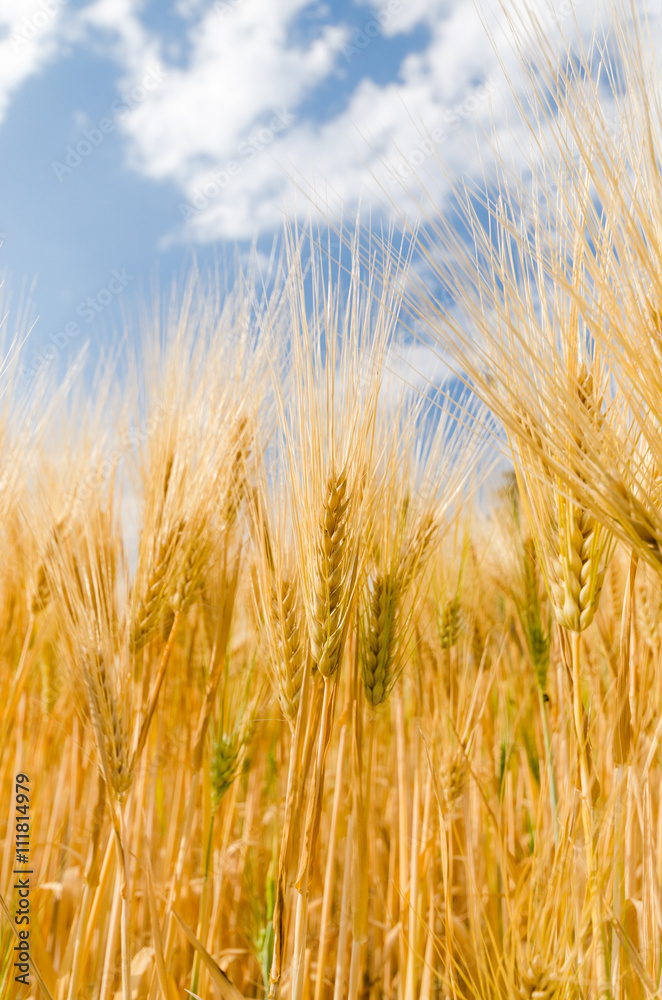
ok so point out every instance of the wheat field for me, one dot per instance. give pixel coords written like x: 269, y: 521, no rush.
x: 304, y: 691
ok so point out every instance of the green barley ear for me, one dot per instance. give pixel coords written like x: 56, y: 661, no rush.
x: 230, y: 741
x: 226, y: 760
x: 379, y: 639
x: 450, y: 622
x: 390, y: 602
x: 528, y: 595
x: 538, y: 641
x: 259, y: 901
x: 535, y: 625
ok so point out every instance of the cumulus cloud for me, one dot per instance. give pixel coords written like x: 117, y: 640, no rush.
x: 243, y: 68
x: 36, y: 33
x: 239, y: 121
x: 210, y: 127
x: 30, y: 37
x: 117, y: 27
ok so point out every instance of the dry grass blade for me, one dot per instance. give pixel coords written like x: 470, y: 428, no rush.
x: 224, y: 985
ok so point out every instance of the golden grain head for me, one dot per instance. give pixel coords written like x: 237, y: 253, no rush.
x: 333, y: 578
x: 537, y: 982
x: 579, y: 571
x: 288, y: 631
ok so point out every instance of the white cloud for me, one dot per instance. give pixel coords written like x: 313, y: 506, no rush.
x: 202, y: 128
x: 30, y: 37
x: 115, y: 27
x: 408, y: 14
x: 242, y: 69
x: 36, y: 33
x: 230, y: 122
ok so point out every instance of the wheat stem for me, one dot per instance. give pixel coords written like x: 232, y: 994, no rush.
x: 403, y: 816
x: 412, y: 951
x: 345, y: 910
x: 553, y: 793
x: 327, y: 897
x: 108, y: 972
x: 203, y: 902
x: 301, y: 923
x: 587, y: 818
x: 125, y: 914
x: 296, y: 774
x: 361, y: 812
x: 218, y: 653
x: 621, y: 768
x: 91, y: 883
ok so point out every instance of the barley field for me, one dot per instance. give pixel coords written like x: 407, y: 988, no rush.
x: 324, y: 677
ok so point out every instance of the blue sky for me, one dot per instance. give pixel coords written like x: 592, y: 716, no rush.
x: 136, y: 135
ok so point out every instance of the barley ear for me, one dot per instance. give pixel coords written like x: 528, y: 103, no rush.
x: 449, y: 622
x: 226, y: 761
x: 579, y: 576
x: 380, y: 638
x: 333, y: 572
x: 289, y: 650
